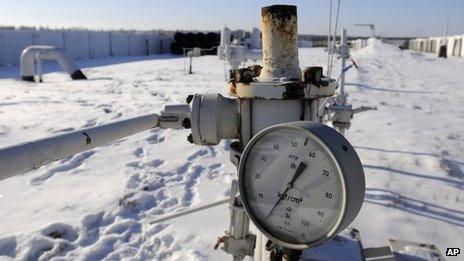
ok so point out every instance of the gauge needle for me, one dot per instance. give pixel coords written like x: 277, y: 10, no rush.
x: 297, y: 174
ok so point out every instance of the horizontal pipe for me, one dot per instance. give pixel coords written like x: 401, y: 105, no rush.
x: 28, y: 156
x: 190, y: 211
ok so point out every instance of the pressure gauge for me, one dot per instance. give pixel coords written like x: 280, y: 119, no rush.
x: 301, y: 183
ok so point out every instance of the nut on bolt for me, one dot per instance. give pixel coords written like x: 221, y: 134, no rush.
x: 255, y: 69
x: 313, y: 75
x: 246, y: 75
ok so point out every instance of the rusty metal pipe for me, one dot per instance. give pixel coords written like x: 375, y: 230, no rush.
x: 280, y: 43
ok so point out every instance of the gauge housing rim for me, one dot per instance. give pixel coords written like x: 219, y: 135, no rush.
x: 311, y: 129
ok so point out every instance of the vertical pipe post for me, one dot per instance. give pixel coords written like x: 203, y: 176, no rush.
x: 280, y: 43
x: 342, y: 78
x: 445, y: 33
x: 111, y: 43
x: 443, y: 52
x: 190, y: 66
x: 225, y: 36
x: 38, y: 66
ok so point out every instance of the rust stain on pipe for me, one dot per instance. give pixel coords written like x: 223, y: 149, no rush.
x: 280, y: 43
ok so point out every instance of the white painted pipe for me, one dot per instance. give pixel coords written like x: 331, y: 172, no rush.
x: 38, y: 67
x: 191, y: 211
x: 342, y: 77
x: 28, y: 156
x: 44, y: 52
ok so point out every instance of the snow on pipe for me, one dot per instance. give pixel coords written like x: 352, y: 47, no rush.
x: 28, y: 156
x: 34, y: 53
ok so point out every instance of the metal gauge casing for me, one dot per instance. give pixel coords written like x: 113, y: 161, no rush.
x: 301, y: 183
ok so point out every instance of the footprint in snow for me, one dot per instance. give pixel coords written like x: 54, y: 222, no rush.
x: 8, y: 247
x: 90, y: 123
x: 121, y: 227
x: 139, y: 152
x: 65, y: 165
x: 146, y: 165
x: 60, y: 231
x: 155, y: 138
x: 199, y: 153
x: 183, y: 169
x: 55, y: 240
x: 190, y: 184
x: 213, y: 170
x: 215, y: 166
x: 91, y: 224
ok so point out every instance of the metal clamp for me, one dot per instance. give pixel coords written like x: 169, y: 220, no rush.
x: 238, y: 241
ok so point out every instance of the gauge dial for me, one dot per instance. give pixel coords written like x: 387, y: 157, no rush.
x: 292, y: 183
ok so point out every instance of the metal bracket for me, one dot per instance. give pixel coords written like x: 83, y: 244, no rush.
x: 175, y: 117
x: 238, y: 241
x: 348, y: 246
x: 403, y: 250
x: 364, y: 108
x: 340, y: 114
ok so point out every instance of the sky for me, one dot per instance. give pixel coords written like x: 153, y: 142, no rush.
x: 391, y: 17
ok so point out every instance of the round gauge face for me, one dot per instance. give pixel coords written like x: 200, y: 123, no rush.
x: 292, y: 186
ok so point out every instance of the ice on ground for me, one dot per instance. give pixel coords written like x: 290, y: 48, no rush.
x: 97, y: 204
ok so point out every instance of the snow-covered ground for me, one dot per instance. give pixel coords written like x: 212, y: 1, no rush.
x: 97, y: 204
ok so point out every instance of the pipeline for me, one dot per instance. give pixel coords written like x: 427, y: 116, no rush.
x: 33, y: 55
x: 28, y: 156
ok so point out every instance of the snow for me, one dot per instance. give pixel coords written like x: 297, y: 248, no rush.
x: 98, y: 204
